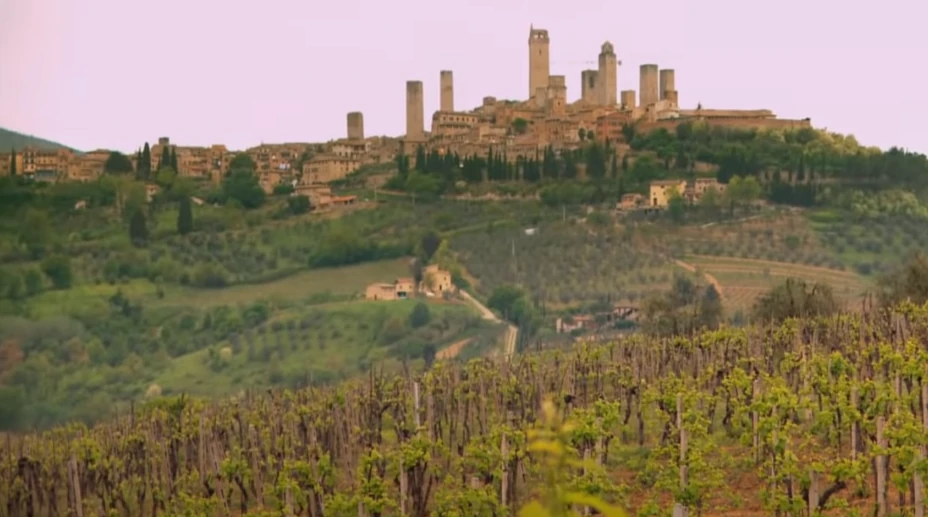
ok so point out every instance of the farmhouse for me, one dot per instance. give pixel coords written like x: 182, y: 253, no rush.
x: 434, y: 280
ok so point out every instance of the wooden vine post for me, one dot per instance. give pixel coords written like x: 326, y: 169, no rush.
x: 919, y: 485
x: 813, y: 492
x: 755, y: 417
x: 880, y: 468
x: 678, y: 509
x: 855, y: 425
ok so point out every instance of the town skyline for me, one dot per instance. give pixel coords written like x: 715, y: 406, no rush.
x: 198, y: 99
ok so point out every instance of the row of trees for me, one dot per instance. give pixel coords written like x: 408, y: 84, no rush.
x: 788, y: 163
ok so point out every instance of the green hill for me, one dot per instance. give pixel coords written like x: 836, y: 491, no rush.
x: 13, y: 140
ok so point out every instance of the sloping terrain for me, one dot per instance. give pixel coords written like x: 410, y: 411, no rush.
x: 13, y: 140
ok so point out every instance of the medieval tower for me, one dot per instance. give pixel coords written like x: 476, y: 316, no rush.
x: 607, y: 78
x: 447, y: 91
x: 588, y: 90
x: 648, y: 90
x: 415, y: 111
x: 667, y: 83
x: 539, y: 62
x: 355, y: 126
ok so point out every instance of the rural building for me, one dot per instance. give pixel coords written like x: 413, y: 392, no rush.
x: 631, y: 202
x: 703, y: 185
x: 661, y: 191
x: 437, y: 279
x: 434, y: 279
x: 399, y: 289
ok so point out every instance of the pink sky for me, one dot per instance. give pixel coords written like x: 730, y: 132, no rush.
x: 115, y: 73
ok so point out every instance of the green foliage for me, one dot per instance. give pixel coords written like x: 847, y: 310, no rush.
x: 420, y: 316
x: 298, y: 204
x: 58, y: 269
x: 795, y: 298
x: 683, y: 310
x: 138, y: 229
x: 184, y: 215
x: 117, y: 163
x: 241, y: 186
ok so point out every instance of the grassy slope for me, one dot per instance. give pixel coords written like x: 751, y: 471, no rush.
x: 341, y: 338
x: 13, y: 140
x: 346, y: 280
x: 743, y: 280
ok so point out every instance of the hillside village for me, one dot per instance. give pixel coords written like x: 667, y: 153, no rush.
x: 514, y: 129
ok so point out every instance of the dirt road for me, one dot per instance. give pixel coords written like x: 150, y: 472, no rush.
x: 511, y: 332
x: 709, y: 278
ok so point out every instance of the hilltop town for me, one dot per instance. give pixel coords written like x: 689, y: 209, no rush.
x: 546, y: 119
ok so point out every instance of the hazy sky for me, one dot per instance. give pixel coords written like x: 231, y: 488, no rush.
x: 115, y: 73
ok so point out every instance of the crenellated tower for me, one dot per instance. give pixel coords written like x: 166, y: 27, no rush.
x: 539, y: 60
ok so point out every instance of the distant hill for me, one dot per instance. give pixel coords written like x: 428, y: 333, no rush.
x: 12, y: 139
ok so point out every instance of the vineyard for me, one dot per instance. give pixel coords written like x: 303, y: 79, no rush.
x: 812, y: 416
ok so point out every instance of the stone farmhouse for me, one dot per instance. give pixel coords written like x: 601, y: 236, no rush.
x: 545, y: 117
x: 435, y: 281
x: 660, y: 192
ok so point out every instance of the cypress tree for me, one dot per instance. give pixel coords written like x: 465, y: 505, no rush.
x: 145, y: 164
x: 165, y: 158
x: 174, y: 160
x: 138, y: 230
x: 13, y: 162
x: 185, y: 216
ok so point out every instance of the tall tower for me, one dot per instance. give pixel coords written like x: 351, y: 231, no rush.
x: 355, y: 126
x: 667, y: 82
x: 648, y: 93
x: 608, y: 75
x: 588, y: 83
x: 539, y: 62
x: 415, y: 111
x: 447, y: 91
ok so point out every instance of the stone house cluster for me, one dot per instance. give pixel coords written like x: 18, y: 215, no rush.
x: 435, y: 282
x: 660, y: 192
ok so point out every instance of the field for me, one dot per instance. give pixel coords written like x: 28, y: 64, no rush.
x: 780, y: 236
x: 317, y: 345
x: 743, y: 280
x: 870, y: 245
x: 745, y: 414
x: 563, y: 264
x: 311, y: 284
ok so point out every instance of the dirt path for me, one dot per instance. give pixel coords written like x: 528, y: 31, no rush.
x: 451, y: 351
x: 511, y: 332
x: 709, y: 278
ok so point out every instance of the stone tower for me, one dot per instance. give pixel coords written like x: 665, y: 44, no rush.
x: 608, y: 75
x: 447, y: 91
x: 539, y: 62
x: 415, y: 111
x: 648, y: 93
x: 628, y: 99
x: 557, y: 94
x: 588, y: 90
x: 667, y: 82
x: 355, y: 126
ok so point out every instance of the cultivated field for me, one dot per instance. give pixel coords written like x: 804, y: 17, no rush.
x: 743, y: 280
